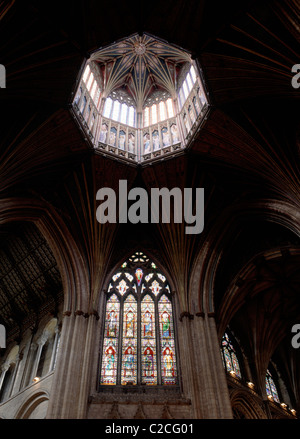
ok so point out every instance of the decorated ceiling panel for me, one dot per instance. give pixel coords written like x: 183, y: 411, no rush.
x: 141, y: 65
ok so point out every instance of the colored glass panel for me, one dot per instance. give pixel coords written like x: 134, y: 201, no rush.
x: 168, y: 362
x: 149, y: 276
x: 116, y: 276
x: 235, y: 364
x: 231, y: 360
x: 227, y: 359
x: 155, y: 287
x: 168, y: 357
x: 271, y: 387
x: 129, y: 362
x: 149, y: 367
x: 112, y: 317
x: 148, y: 336
x: 139, y: 275
x: 110, y: 346
x: 122, y: 287
x: 130, y: 352
x: 129, y: 277
x: 129, y: 342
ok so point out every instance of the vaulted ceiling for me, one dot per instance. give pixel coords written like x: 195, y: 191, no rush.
x: 140, y: 66
x: 246, y: 152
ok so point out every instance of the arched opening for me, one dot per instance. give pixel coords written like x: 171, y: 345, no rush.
x: 139, y: 343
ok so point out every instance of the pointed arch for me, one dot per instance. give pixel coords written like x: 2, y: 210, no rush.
x: 66, y: 252
x: 140, y: 347
x: 205, y: 268
x: 246, y: 405
x: 31, y: 404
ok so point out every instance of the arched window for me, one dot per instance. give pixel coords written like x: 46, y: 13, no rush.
x: 229, y: 357
x: 272, y: 392
x: 8, y: 372
x: 139, y: 341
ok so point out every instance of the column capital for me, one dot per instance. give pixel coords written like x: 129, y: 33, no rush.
x: 42, y: 339
x: 186, y: 314
x: 79, y: 312
x: 5, y: 366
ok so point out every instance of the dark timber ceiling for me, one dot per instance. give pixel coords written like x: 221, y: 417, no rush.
x: 29, y: 277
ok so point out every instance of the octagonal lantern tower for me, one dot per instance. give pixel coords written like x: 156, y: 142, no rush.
x: 140, y: 99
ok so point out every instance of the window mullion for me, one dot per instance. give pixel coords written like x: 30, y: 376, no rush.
x: 138, y: 344
x: 120, y: 341
x: 158, y: 343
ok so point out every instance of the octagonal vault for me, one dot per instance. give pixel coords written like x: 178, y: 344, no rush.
x: 140, y: 99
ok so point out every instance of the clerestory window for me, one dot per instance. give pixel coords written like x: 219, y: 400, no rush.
x: 140, y: 99
x: 229, y: 356
x: 139, y: 340
x: 271, y: 389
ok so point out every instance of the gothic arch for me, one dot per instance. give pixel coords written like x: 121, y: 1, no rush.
x: 31, y: 404
x: 152, y: 291
x: 235, y: 295
x: 61, y: 242
x: 125, y: 255
x: 207, y: 262
x: 246, y: 405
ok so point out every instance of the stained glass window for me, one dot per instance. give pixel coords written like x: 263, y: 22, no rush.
x: 129, y: 342
x: 229, y: 357
x: 168, y: 357
x: 139, y: 342
x: 148, y: 338
x: 271, y: 387
x: 111, y: 339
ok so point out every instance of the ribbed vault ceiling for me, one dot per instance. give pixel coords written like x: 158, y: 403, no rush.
x: 140, y: 65
x: 247, y: 150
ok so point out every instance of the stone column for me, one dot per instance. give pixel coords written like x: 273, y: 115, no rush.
x: 213, y: 400
x: 54, y: 349
x: 68, y: 394
x: 186, y: 357
x: 55, y: 405
x: 86, y: 374
x: 15, y: 372
x: 4, y: 369
x: 40, y: 344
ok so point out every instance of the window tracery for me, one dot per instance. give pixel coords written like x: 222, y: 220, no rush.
x: 139, y: 340
x: 229, y: 356
x: 130, y: 100
x: 271, y: 389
